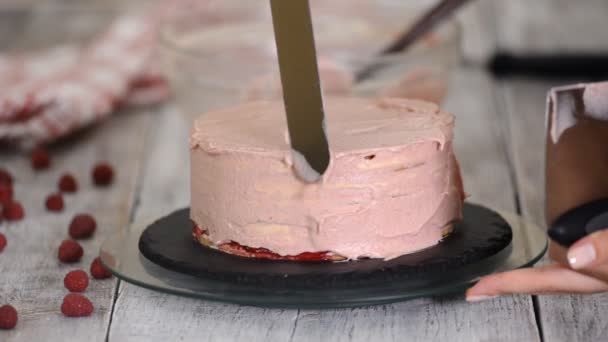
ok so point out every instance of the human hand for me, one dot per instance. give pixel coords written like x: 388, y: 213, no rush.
x: 583, y: 268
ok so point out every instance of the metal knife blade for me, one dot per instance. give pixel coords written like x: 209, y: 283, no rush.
x: 301, y: 86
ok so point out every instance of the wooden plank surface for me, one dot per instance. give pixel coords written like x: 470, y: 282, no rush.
x: 142, y: 315
x: 32, y: 276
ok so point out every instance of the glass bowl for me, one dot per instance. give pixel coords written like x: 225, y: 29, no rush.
x: 226, y: 62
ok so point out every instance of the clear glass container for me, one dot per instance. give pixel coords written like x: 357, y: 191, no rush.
x: 227, y: 62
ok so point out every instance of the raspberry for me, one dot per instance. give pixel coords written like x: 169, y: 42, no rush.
x: 98, y: 271
x: 75, y: 305
x: 6, y: 193
x: 76, y: 281
x: 67, y: 183
x: 70, y: 251
x: 13, y: 211
x: 103, y: 174
x: 54, y: 202
x: 40, y: 159
x: 5, y: 177
x: 8, y: 317
x: 82, y: 226
x: 2, y: 242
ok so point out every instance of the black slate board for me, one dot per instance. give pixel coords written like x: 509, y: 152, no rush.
x: 482, y: 237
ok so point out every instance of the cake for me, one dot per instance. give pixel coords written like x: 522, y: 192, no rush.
x: 393, y: 185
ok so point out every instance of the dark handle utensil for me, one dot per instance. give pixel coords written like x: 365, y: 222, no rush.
x: 589, y: 66
x: 580, y: 222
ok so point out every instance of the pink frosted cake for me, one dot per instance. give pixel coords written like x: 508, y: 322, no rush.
x: 393, y: 185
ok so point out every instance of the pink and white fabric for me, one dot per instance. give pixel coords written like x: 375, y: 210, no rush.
x: 49, y: 94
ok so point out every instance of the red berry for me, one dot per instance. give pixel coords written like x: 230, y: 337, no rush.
x: 75, y: 305
x: 5, y: 177
x: 6, y: 193
x: 8, y: 317
x: 82, y: 226
x: 103, y: 174
x: 13, y: 211
x: 76, y: 281
x: 70, y: 251
x: 98, y: 271
x: 67, y: 183
x: 40, y: 159
x: 54, y: 202
x: 2, y: 242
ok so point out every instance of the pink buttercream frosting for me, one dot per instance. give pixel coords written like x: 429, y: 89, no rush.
x: 393, y: 185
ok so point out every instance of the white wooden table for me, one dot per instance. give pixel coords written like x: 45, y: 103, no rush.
x: 499, y: 141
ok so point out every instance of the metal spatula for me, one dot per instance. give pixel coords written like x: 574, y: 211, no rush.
x: 301, y: 87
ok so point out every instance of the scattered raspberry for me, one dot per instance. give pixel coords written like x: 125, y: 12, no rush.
x: 54, y: 202
x: 40, y: 159
x: 8, y: 317
x: 6, y: 193
x: 103, y: 174
x: 5, y: 177
x: 70, y: 251
x: 2, y: 242
x: 75, y: 305
x: 76, y: 281
x: 13, y: 211
x: 82, y: 226
x: 67, y: 183
x: 98, y: 271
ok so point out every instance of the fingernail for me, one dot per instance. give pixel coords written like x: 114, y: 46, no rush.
x: 479, y: 298
x: 581, y: 256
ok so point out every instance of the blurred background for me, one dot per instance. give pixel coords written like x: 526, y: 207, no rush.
x: 207, y: 54
x: 516, y: 23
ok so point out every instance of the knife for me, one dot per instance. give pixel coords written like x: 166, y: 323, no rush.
x: 301, y: 87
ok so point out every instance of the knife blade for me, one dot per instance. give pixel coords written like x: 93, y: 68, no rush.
x: 302, y: 95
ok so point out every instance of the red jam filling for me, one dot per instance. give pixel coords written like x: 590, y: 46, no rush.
x: 264, y: 253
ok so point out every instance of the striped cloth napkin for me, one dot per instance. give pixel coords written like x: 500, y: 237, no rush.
x: 52, y: 93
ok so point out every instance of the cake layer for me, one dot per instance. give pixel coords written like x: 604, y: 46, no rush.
x: 392, y: 187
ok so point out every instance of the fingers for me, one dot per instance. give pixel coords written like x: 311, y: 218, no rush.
x: 590, y: 251
x: 541, y: 280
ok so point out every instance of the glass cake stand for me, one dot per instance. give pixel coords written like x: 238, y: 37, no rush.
x: 121, y: 255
